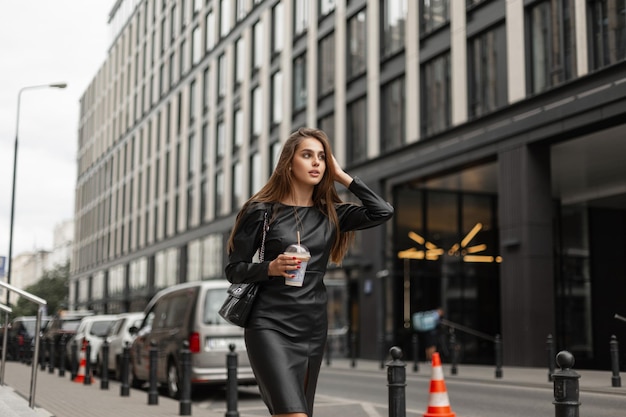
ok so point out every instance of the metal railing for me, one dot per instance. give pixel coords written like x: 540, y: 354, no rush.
x: 33, y: 376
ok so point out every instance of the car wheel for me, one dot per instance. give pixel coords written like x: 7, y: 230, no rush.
x: 172, y: 380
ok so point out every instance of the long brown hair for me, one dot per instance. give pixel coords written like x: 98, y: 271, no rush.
x: 280, y: 185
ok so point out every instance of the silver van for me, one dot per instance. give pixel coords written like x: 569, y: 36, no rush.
x: 188, y: 312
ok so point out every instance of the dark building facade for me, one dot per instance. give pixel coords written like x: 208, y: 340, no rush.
x: 496, y: 128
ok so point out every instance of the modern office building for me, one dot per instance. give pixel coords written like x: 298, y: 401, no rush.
x: 497, y: 128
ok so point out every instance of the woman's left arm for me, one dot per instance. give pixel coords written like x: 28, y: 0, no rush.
x: 373, y: 211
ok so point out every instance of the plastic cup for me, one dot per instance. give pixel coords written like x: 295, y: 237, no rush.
x: 302, y: 253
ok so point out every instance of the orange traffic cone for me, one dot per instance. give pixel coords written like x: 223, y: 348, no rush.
x: 438, y: 402
x: 82, y: 365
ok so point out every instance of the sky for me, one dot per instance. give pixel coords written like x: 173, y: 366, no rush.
x: 44, y: 42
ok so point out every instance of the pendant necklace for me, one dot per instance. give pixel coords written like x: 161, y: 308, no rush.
x: 298, y: 223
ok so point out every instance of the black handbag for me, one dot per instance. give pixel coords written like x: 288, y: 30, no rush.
x: 238, y: 303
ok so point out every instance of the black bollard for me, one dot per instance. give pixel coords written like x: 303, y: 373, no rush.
x: 51, y: 357
x: 616, y: 380
x: 416, y: 352
x: 153, y: 393
x: 453, y: 353
x: 87, y: 380
x: 498, y: 348
x: 104, y: 368
x: 396, y: 383
x: 184, y: 404
x: 231, y: 388
x: 124, y: 388
x: 74, y: 360
x: 62, y: 356
x: 566, y: 392
x: 550, y: 350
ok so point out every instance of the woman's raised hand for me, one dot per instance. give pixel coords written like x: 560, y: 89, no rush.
x: 340, y: 175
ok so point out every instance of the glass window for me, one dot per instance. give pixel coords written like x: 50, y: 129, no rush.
x: 237, y: 129
x: 221, y: 76
x: 357, y: 131
x: 212, y: 303
x: 435, y: 13
x: 357, y: 45
x: 278, y: 28
x: 173, y: 24
x: 224, y: 17
x: 219, y: 193
x: 257, y: 52
x: 608, y: 29
x: 220, y: 144
x: 206, y: 96
x: 196, y: 47
x: 240, y: 9
x: 552, y: 44
x: 326, y: 7
x: 274, y: 153
x: 204, y: 195
x: 194, y: 259
x: 192, y: 101
x: 300, y: 17
x: 436, y: 97
x: 327, y: 64
x: 210, y: 31
x: 205, y: 146
x: 256, y: 174
x: 257, y: 112
x: 277, y: 97
x: 237, y: 185
x: 327, y: 124
x: 393, y: 124
x: 183, y: 58
x: 191, y: 156
x: 487, y: 80
x: 239, y: 60
x: 171, y: 65
x: 299, y: 83
x: 393, y: 26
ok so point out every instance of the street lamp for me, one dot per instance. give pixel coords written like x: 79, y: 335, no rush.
x: 17, y: 127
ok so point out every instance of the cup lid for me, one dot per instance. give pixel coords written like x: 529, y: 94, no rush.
x: 296, y: 248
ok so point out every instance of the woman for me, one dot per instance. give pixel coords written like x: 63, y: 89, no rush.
x: 286, y: 331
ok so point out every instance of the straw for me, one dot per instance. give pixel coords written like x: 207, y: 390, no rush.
x: 298, y: 232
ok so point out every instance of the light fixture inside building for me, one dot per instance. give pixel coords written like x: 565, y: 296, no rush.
x: 461, y: 249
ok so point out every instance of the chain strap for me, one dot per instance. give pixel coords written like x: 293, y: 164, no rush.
x: 265, y: 229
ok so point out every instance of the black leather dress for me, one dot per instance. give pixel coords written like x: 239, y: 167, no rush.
x: 286, y: 333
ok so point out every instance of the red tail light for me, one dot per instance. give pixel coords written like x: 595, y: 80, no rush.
x: 194, y: 342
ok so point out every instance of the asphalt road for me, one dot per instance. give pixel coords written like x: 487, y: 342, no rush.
x: 366, y: 394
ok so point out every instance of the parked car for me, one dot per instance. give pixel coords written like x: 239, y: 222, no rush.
x: 118, y: 336
x: 92, y: 329
x: 21, y: 335
x: 60, y: 329
x: 188, y: 312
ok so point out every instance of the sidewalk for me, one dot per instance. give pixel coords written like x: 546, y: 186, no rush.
x: 57, y: 396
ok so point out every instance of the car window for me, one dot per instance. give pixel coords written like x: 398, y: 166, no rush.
x: 117, y: 326
x: 160, y: 313
x: 100, y: 328
x: 176, y: 312
x: 70, y: 325
x: 212, y: 303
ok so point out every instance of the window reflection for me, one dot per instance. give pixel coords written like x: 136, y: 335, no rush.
x: 608, y: 21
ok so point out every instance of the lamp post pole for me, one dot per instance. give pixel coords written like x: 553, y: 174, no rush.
x: 17, y: 127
